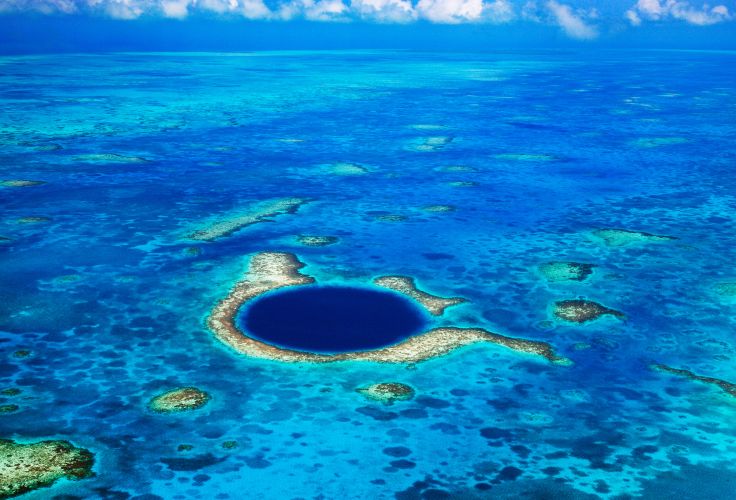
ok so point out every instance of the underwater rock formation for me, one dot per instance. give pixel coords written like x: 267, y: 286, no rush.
x: 581, y: 311
x: 273, y: 270
x: 388, y: 392
x: 456, y: 168
x: 181, y: 399
x: 110, y: 158
x: 566, y: 271
x: 524, y: 157
x: 20, y: 183
x: 655, y: 142
x: 347, y: 169
x: 27, y: 467
x: 439, y: 208
x: 405, y: 284
x: 391, y: 218
x: 434, y: 143
x: 728, y: 387
x: 726, y: 289
x: 622, y: 237
x: 262, y: 213
x: 33, y: 220
x: 310, y: 240
x: 463, y: 184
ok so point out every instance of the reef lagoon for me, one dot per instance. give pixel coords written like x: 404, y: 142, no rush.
x: 542, y: 243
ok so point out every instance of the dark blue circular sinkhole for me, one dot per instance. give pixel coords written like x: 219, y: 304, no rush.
x: 331, y: 319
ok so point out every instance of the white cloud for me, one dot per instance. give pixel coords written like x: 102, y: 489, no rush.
x: 656, y: 10
x: 384, y: 11
x: 450, y: 11
x: 313, y: 10
x: 576, y: 22
x: 499, y: 11
x: 177, y: 9
x: 571, y: 22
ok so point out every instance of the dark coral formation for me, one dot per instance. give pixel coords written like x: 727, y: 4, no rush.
x: 581, y: 311
x: 566, y: 271
x: 388, y: 392
x: 728, y: 387
x: 27, y: 467
x: 182, y: 399
x: 8, y: 408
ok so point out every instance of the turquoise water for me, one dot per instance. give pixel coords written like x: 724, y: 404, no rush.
x: 100, y: 282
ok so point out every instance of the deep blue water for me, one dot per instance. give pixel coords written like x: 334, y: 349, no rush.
x: 532, y: 151
x: 332, y: 319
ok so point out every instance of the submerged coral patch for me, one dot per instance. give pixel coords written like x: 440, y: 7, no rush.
x: 405, y: 284
x: 387, y: 392
x: 20, y: 183
x: 524, y: 157
x: 311, y: 240
x: 33, y: 220
x: 728, y: 387
x: 582, y: 311
x: 181, y: 399
x: 463, y: 184
x: 269, y: 271
x: 726, y: 289
x: 622, y: 237
x: 391, y: 218
x: 566, y: 271
x: 434, y: 143
x: 261, y: 213
x: 346, y: 169
x: 456, y: 168
x: 110, y: 158
x: 28, y: 467
x: 439, y: 208
x: 655, y: 142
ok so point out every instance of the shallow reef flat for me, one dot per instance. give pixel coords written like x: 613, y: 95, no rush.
x: 177, y: 400
x: 263, y: 212
x: 110, y: 158
x: 655, y: 142
x: 20, y: 183
x: 566, y: 271
x: 313, y: 240
x: 430, y: 144
x: 521, y: 157
x: 623, y: 237
x: 273, y: 270
x: 388, y: 392
x: 582, y: 311
x: 405, y: 284
x: 728, y: 387
x: 25, y: 467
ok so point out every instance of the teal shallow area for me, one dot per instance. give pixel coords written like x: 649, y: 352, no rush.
x: 101, y: 283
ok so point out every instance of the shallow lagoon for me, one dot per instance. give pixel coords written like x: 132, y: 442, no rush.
x: 534, y: 153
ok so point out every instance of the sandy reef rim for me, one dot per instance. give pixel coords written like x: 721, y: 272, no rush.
x: 269, y: 271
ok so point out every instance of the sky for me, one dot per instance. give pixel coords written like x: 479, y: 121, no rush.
x: 98, y: 25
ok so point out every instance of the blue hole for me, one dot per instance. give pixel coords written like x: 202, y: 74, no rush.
x: 331, y: 319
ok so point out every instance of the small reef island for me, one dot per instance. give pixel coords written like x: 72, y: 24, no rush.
x: 26, y: 467
x: 269, y: 271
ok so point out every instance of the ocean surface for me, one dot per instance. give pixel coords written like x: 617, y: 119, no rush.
x: 466, y: 172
